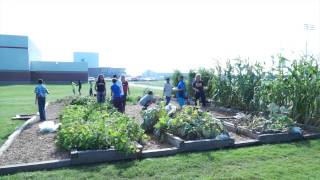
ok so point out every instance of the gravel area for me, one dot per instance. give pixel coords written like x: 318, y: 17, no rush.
x: 33, y: 146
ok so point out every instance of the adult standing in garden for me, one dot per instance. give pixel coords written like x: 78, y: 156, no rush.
x: 90, y: 90
x: 119, y: 83
x: 41, y: 93
x: 116, y: 95
x: 100, y: 88
x: 79, y: 87
x: 198, y: 88
x: 73, y: 87
x: 181, y: 92
x: 167, y: 90
x: 126, y: 91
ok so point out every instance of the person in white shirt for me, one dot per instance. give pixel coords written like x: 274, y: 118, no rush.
x: 167, y: 90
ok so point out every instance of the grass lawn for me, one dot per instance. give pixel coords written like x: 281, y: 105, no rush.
x: 282, y: 161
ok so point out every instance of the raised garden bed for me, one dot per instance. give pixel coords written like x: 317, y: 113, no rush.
x: 198, y: 145
x: 96, y: 156
x: 264, y: 138
x: 308, y: 133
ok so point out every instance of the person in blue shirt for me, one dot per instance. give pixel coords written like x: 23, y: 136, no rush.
x: 181, y: 92
x: 116, y: 95
x: 41, y: 92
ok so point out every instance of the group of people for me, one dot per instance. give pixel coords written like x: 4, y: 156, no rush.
x: 73, y: 84
x: 120, y: 90
x: 197, y: 86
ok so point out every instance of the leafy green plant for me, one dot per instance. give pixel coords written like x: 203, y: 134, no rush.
x: 294, y: 85
x: 152, y: 115
x: 94, y: 126
x: 190, y: 123
x: 175, y: 77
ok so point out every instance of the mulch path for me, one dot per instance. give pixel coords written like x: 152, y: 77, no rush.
x: 33, y: 146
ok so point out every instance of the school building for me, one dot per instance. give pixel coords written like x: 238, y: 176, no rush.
x: 20, y: 62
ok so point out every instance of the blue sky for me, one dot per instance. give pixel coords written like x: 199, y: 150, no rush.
x: 164, y: 35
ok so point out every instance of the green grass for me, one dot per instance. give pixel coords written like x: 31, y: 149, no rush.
x: 282, y: 161
x: 19, y: 99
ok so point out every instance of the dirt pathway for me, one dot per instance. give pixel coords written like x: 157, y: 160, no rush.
x: 33, y: 146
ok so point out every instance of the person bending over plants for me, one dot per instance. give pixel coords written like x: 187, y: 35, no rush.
x: 146, y: 100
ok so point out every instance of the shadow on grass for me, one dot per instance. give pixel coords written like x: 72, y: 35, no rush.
x: 97, y: 167
x: 302, y: 144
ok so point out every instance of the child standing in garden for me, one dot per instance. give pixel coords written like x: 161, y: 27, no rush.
x: 41, y: 93
x: 73, y: 87
x: 90, y: 90
x: 100, y: 88
x: 79, y: 87
x: 198, y: 88
x: 116, y: 95
x: 181, y: 92
x: 167, y: 90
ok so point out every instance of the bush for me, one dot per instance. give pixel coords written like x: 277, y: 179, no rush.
x: 175, y: 77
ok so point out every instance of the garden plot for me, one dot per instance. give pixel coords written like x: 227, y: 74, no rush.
x: 152, y: 142
x: 32, y: 146
x: 276, y: 127
x: 189, y: 129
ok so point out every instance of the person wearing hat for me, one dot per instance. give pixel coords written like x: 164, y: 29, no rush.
x: 167, y: 90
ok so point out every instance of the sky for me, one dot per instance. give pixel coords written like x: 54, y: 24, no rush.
x: 163, y: 35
